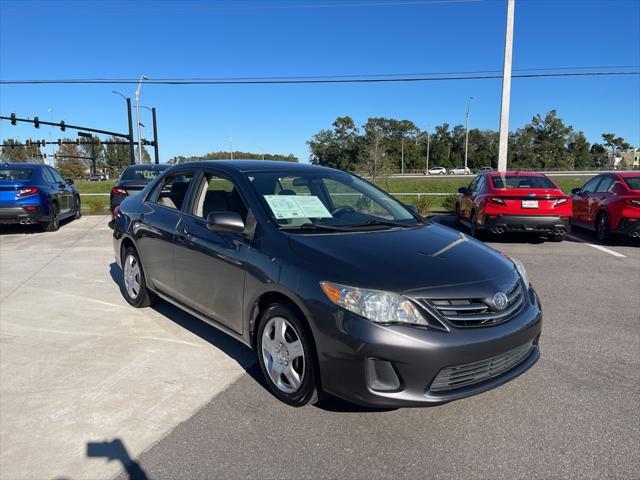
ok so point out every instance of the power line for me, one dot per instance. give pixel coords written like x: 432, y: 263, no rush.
x: 237, y: 7
x: 308, y: 80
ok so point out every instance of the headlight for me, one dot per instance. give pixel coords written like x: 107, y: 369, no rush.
x: 522, y: 271
x: 377, y: 306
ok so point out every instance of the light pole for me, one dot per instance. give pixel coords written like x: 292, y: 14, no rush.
x: 427, y: 170
x: 137, y: 94
x: 506, y: 89
x: 132, y: 155
x: 155, y: 134
x: 402, y: 158
x: 466, y: 136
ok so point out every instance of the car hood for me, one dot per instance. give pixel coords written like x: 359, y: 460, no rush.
x: 401, y: 259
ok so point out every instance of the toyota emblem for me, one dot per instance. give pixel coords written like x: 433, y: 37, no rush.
x: 500, y: 301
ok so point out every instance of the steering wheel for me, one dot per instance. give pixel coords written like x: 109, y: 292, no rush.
x: 337, y: 212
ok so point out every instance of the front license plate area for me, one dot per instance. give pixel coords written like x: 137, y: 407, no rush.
x: 529, y: 203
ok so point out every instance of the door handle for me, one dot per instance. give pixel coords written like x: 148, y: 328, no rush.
x: 183, y: 234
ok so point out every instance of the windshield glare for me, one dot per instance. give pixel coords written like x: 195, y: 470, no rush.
x: 325, y: 199
x: 10, y: 174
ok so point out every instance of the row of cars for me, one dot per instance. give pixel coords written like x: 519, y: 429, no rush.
x: 497, y: 203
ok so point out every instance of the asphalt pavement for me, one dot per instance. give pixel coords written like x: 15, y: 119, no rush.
x: 90, y: 387
x: 573, y: 415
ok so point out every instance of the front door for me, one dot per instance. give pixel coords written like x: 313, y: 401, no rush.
x: 210, y: 266
x: 582, y: 199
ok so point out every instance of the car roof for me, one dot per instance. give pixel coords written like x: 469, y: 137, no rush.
x: 255, y: 166
x: 21, y: 165
x: 516, y: 173
x: 150, y: 166
x: 627, y: 174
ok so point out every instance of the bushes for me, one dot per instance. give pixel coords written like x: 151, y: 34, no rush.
x: 449, y: 203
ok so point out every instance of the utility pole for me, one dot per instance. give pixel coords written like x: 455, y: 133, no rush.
x: 427, y: 169
x: 137, y: 94
x: 466, y: 136
x: 156, y: 154
x: 402, y: 158
x: 506, y: 89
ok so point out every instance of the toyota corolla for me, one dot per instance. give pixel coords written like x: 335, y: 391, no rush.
x: 338, y: 287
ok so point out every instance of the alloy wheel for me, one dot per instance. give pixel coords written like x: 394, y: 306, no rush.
x: 283, y: 355
x: 602, y: 227
x: 132, y: 276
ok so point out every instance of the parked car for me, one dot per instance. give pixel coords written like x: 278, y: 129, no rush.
x: 132, y: 180
x: 514, y: 202
x: 437, y: 171
x: 609, y: 204
x: 34, y: 193
x: 485, y: 169
x: 339, y: 288
x: 98, y: 177
x: 460, y: 171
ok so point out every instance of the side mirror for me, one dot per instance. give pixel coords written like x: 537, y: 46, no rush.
x: 576, y: 191
x: 412, y: 208
x: 462, y: 190
x: 225, y: 222
x: 69, y: 181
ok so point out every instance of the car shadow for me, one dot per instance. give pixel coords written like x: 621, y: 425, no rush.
x: 17, y: 229
x: 590, y: 236
x: 242, y: 354
x: 115, y: 450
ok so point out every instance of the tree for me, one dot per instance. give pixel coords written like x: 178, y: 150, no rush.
x: 579, y: 152
x: 117, y: 157
x: 598, y: 155
x: 68, y: 163
x: 15, y: 151
x: 616, y: 145
x: 90, y: 150
x: 337, y: 148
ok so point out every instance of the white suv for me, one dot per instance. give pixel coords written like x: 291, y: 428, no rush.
x: 437, y: 171
x: 460, y: 171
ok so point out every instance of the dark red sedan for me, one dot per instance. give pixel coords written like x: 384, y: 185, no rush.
x: 499, y: 202
x: 609, y: 203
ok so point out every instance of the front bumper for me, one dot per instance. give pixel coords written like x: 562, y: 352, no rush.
x: 12, y: 215
x: 417, y: 356
x: 527, y: 223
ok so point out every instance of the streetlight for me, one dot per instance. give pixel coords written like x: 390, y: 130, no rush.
x: 506, y: 89
x: 466, y: 137
x: 155, y: 133
x: 132, y: 155
x: 142, y: 77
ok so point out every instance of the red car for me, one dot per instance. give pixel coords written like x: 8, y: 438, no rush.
x: 499, y: 202
x: 609, y: 203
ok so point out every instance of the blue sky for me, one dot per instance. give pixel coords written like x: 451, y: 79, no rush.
x: 122, y: 39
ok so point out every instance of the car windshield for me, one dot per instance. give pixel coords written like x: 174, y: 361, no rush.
x: 521, y: 181
x: 328, y: 201
x: 9, y: 174
x: 633, y: 182
x: 142, y: 173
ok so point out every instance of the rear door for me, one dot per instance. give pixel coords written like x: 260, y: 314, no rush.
x: 64, y: 191
x: 210, y: 266
x: 467, y: 200
x: 156, y: 231
x: 601, y: 197
x: 581, y: 201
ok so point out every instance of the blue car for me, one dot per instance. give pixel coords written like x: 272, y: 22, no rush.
x: 33, y: 193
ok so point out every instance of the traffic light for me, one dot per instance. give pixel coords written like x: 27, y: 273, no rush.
x: 28, y: 142
x: 36, y: 122
x: 97, y: 142
x: 13, y: 119
x: 59, y: 142
x: 62, y: 125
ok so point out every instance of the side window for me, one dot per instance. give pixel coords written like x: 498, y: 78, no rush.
x: 172, y: 191
x: 217, y: 194
x: 480, y: 185
x: 48, y: 177
x: 56, y: 175
x: 605, y: 184
x: 591, y: 185
x: 473, y: 185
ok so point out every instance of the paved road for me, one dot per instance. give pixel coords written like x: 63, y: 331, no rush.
x: 574, y: 415
x: 184, y: 401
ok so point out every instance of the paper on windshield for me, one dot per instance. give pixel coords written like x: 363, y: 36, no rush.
x: 292, y: 206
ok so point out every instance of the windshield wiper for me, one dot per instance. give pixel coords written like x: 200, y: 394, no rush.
x: 315, y: 226
x: 384, y: 223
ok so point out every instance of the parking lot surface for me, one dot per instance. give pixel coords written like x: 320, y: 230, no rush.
x: 184, y: 401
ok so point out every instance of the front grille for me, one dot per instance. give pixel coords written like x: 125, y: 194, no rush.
x: 476, y: 312
x: 460, y: 376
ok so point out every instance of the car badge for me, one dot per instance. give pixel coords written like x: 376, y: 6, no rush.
x: 500, y: 301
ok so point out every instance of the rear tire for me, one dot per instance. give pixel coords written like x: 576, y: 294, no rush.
x: 134, y: 283
x: 603, y: 227
x: 287, y: 356
x: 53, y: 224
x: 556, y: 238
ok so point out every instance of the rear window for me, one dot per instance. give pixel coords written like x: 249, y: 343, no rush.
x: 633, y: 182
x: 141, y: 173
x: 15, y: 173
x: 520, y: 181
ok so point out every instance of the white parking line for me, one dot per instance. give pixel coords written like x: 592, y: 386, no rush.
x: 598, y: 247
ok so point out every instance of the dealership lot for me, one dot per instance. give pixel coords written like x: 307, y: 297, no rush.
x: 79, y: 366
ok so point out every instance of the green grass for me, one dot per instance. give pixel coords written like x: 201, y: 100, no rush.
x: 85, y: 186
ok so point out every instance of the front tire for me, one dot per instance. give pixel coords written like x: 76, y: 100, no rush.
x: 134, y: 282
x: 287, y: 356
x: 78, y: 209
